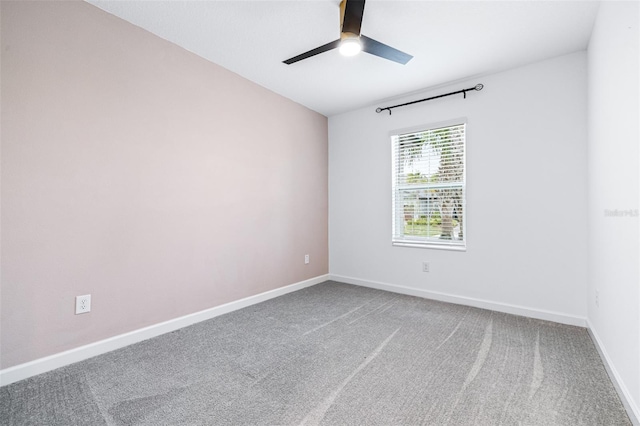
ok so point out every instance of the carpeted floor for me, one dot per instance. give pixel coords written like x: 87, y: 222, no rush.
x: 334, y: 354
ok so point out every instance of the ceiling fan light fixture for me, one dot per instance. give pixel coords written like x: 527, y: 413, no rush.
x: 351, y: 40
x: 350, y: 46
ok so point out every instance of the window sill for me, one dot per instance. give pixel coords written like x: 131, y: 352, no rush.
x: 429, y: 246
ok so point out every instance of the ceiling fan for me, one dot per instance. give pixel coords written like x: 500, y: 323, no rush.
x: 351, y: 41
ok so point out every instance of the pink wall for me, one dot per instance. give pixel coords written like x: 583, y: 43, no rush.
x: 138, y: 172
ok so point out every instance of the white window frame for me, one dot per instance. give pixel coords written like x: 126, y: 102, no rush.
x: 426, y: 242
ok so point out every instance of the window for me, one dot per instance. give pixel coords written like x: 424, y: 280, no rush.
x: 429, y: 187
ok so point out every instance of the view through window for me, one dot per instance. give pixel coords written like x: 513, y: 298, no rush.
x: 429, y: 187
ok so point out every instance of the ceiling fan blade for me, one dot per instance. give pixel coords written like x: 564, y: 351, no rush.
x: 313, y: 52
x: 352, y: 19
x: 376, y: 48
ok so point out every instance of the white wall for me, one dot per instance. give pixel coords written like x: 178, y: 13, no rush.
x: 526, y: 194
x: 613, y: 184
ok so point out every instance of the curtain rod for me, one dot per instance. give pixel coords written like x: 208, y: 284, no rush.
x: 464, y: 91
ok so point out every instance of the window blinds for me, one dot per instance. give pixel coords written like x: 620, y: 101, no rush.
x: 429, y: 187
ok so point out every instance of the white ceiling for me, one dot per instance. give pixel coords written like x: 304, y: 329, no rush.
x: 450, y: 40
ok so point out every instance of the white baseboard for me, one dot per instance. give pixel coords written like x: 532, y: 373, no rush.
x: 468, y: 301
x: 42, y: 365
x: 632, y: 408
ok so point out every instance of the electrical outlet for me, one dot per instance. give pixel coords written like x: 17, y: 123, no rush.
x: 83, y: 304
x: 425, y: 266
x: 306, y: 259
x: 597, y: 299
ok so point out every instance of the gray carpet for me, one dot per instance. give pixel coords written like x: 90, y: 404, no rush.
x: 334, y: 354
